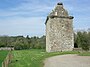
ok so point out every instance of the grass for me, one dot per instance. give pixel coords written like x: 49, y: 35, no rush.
x: 33, y: 58
x: 84, y: 54
x: 3, y: 55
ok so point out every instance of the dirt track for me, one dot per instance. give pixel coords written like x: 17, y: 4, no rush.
x: 68, y: 61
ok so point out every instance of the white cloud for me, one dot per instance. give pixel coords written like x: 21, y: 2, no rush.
x: 25, y: 9
x: 29, y: 16
x: 23, y: 26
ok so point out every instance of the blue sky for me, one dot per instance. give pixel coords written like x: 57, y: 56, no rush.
x: 27, y: 17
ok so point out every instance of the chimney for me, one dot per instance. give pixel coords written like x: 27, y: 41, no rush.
x: 60, y: 4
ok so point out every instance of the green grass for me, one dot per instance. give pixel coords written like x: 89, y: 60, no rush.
x: 3, y: 55
x: 32, y: 58
x: 84, y: 54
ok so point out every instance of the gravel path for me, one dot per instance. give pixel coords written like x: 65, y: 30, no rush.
x: 68, y: 61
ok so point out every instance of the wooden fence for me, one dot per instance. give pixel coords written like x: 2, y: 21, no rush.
x: 7, y: 60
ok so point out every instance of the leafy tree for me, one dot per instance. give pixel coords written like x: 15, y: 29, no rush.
x: 20, y: 42
x: 83, y: 40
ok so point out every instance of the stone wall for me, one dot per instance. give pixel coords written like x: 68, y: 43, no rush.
x: 59, y: 31
x: 6, y: 48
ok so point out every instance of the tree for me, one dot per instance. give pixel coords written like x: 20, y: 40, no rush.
x: 83, y: 40
x: 20, y: 42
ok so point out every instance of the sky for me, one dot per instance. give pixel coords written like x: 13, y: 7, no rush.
x: 27, y: 17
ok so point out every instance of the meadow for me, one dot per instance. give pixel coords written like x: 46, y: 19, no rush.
x: 33, y: 57
x: 3, y: 55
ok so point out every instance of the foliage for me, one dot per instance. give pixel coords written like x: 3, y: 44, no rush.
x: 82, y: 39
x: 20, y: 42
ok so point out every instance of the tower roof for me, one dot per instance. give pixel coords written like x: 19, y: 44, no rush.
x: 59, y: 11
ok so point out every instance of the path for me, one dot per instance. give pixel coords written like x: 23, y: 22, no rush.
x: 68, y: 61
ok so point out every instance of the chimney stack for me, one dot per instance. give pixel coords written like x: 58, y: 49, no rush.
x: 59, y: 3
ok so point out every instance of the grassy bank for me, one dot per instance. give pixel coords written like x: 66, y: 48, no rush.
x: 32, y: 58
x: 84, y: 54
x: 3, y: 55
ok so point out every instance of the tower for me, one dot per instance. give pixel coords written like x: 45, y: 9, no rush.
x: 59, y: 30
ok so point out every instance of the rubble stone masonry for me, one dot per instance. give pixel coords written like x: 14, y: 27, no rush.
x: 59, y: 30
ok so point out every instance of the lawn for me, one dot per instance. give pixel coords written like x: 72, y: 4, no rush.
x: 3, y: 55
x: 84, y: 54
x: 32, y: 58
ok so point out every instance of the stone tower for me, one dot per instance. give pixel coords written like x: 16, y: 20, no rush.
x: 59, y: 30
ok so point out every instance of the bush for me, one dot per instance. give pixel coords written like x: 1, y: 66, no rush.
x: 82, y: 39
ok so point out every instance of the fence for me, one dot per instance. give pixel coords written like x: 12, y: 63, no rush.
x: 7, y: 60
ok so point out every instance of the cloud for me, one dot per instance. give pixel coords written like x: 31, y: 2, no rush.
x: 27, y: 8
x: 23, y: 26
x: 24, y: 17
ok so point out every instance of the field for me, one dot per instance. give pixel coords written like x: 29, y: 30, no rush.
x: 3, y: 54
x: 32, y: 58
x: 35, y: 57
